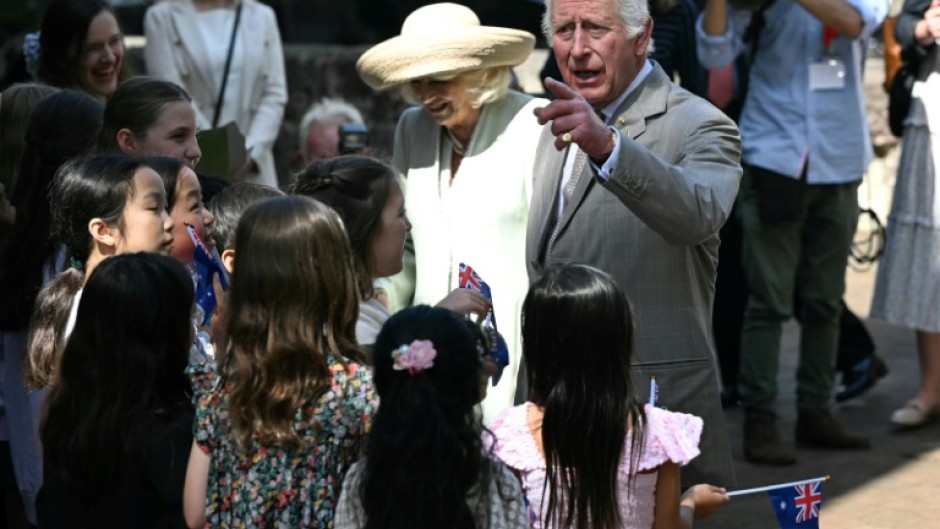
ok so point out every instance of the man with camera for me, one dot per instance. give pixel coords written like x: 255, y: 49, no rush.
x: 329, y: 128
x: 805, y: 147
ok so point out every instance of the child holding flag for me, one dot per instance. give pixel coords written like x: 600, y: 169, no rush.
x: 192, y: 224
x: 367, y: 196
x: 588, y: 453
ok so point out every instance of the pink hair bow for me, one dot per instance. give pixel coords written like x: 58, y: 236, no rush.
x: 414, y: 358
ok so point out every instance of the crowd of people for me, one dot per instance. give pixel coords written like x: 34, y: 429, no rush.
x: 188, y: 349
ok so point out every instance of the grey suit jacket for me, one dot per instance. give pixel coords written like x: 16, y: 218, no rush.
x: 654, y: 227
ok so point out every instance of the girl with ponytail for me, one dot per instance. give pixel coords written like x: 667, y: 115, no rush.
x: 102, y: 206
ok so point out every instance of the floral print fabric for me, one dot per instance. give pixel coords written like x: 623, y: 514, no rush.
x: 281, y: 486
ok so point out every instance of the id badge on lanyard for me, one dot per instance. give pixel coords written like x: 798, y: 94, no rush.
x: 828, y: 73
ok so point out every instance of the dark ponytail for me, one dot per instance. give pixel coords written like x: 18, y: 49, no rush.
x: 84, y: 188
x: 47, y: 327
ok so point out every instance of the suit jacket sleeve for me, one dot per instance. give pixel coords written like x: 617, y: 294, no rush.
x: 912, y: 12
x: 161, y: 49
x: 269, y: 111
x: 686, y: 200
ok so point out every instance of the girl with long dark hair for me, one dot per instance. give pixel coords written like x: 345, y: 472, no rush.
x: 118, y: 423
x: 426, y: 466
x: 589, y: 454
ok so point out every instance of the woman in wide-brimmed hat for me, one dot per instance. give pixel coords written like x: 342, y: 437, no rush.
x: 466, y: 153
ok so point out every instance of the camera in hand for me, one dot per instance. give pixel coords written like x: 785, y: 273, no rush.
x: 353, y: 138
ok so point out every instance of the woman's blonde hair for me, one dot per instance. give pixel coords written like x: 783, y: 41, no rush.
x: 293, y: 300
x: 484, y: 86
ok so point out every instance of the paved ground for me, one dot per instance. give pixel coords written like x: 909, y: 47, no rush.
x: 895, y: 484
x: 891, y: 486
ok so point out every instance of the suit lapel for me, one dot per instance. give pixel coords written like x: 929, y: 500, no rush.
x: 549, y: 165
x: 585, y: 181
x: 252, y: 40
x: 648, y: 100
x: 190, y: 38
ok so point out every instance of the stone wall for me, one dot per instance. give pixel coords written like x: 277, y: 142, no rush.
x: 319, y: 70
x: 315, y: 71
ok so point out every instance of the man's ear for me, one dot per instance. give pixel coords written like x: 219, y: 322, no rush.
x: 228, y: 260
x: 102, y: 233
x: 127, y: 142
x: 643, y: 39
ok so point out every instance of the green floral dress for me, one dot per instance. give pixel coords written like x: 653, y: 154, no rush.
x: 282, y: 487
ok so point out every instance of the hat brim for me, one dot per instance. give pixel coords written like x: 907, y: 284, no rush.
x: 405, y: 58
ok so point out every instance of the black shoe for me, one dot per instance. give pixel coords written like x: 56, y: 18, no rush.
x: 762, y: 441
x: 861, y: 377
x: 818, y: 428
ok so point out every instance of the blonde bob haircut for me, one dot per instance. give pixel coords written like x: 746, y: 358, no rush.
x: 484, y: 86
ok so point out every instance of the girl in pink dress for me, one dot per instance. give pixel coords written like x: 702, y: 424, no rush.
x: 587, y: 452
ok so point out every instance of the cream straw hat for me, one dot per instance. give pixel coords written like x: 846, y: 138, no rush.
x: 442, y: 40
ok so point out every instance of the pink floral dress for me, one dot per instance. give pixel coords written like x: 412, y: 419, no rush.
x: 669, y: 436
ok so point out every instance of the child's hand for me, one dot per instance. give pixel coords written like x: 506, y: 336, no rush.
x: 217, y: 322
x: 465, y: 301
x: 382, y: 296
x: 704, y: 499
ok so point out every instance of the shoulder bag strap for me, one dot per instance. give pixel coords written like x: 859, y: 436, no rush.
x: 228, y: 65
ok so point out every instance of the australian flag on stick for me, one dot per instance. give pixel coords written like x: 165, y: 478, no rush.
x: 498, y: 350
x: 207, y: 265
x: 797, y: 506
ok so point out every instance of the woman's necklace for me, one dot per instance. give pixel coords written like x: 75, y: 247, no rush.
x: 459, y: 148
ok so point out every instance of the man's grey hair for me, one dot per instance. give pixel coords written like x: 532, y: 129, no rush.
x: 328, y: 110
x: 634, y: 14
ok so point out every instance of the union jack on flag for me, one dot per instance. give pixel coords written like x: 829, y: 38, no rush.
x: 499, y: 351
x: 797, y: 506
x: 469, y: 279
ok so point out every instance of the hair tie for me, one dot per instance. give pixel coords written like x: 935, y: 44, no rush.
x: 76, y: 263
x: 414, y: 358
x: 322, y: 181
x: 32, y: 52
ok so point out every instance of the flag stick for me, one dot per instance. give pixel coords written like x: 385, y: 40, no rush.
x: 781, y: 485
x: 653, y: 391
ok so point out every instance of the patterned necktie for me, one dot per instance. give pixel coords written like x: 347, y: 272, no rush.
x: 580, y: 160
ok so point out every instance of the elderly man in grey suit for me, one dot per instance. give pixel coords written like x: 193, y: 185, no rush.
x: 635, y: 176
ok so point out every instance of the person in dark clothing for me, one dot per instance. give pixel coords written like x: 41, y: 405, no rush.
x: 119, y: 416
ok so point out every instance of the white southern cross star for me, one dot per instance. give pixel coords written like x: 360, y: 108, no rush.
x: 783, y: 505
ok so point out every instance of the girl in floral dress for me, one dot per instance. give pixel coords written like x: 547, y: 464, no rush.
x: 294, y: 400
x: 426, y: 467
x: 588, y: 453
